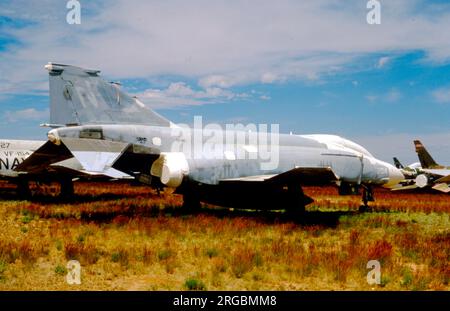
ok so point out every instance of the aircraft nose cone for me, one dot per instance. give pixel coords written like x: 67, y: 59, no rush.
x: 395, y: 177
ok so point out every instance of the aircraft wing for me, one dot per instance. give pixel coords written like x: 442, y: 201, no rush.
x: 78, y: 156
x: 301, y: 175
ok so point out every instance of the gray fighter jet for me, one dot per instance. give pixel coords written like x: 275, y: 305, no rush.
x: 108, y: 132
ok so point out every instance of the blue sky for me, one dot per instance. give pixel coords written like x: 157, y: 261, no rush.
x: 310, y: 66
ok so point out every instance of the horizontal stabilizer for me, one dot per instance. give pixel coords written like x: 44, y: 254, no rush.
x: 77, y: 157
x: 40, y: 160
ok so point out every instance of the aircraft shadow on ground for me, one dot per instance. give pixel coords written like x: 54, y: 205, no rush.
x: 327, y: 219
x: 310, y: 218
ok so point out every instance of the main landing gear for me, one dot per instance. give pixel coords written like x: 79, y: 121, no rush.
x: 367, y: 196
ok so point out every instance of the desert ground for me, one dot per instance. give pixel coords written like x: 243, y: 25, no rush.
x: 128, y: 237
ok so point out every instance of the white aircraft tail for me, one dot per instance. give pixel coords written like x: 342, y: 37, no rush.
x: 80, y: 96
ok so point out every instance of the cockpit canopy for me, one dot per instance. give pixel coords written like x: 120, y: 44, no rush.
x: 335, y: 140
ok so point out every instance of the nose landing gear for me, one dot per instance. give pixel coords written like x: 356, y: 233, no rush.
x: 367, y: 196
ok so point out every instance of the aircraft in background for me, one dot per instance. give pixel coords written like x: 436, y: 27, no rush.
x: 13, y: 153
x: 109, y: 132
x: 399, y: 164
x: 426, y: 173
x: 434, y: 175
x: 410, y: 171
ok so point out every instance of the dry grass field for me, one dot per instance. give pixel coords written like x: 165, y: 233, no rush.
x: 130, y: 238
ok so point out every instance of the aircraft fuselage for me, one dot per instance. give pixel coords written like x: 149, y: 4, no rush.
x: 212, y: 159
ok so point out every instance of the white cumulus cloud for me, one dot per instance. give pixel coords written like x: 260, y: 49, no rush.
x: 217, y: 43
x: 442, y: 95
x: 29, y: 114
x: 383, y: 61
x: 180, y: 94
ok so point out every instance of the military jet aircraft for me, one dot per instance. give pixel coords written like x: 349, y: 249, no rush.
x: 410, y: 171
x: 399, y: 165
x: 110, y: 132
x: 424, y: 174
x: 434, y: 175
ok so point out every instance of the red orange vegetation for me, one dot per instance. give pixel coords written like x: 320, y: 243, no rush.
x: 129, y: 237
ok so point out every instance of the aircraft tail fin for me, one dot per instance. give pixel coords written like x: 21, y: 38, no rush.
x: 80, y: 96
x: 398, y: 164
x: 426, y: 160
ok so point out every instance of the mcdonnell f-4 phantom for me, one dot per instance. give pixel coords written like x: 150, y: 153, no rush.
x: 109, y: 132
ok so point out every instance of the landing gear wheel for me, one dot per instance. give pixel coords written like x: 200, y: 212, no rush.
x: 367, y: 196
x: 365, y: 208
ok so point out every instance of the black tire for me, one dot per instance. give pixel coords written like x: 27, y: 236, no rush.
x: 365, y: 209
